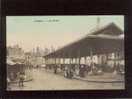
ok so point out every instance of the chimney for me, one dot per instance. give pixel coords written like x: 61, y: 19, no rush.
x: 98, y: 23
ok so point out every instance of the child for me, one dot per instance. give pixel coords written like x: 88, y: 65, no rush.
x: 21, y: 79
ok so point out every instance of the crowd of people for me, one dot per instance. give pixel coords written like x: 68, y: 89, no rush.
x: 71, y: 70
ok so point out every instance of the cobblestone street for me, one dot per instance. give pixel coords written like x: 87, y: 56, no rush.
x: 45, y: 80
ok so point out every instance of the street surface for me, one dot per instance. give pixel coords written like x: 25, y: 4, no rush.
x: 45, y: 80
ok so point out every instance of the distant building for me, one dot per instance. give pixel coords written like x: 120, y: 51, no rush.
x: 33, y: 59
x: 15, y: 52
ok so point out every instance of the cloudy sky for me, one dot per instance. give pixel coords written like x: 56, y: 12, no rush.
x: 46, y: 31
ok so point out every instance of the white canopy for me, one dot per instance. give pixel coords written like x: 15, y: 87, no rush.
x: 10, y: 62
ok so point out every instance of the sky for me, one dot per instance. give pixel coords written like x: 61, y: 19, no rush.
x: 57, y: 31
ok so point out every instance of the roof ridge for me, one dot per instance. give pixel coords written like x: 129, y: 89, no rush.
x: 103, y: 28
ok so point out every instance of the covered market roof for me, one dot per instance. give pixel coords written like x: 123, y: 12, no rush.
x: 96, y: 42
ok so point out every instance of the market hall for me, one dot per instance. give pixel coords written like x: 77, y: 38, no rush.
x: 96, y: 53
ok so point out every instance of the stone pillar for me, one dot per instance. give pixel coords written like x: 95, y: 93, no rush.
x: 91, y: 58
x: 115, y: 63
x: 85, y: 60
x: 64, y: 61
